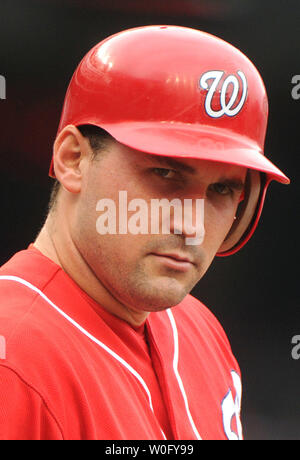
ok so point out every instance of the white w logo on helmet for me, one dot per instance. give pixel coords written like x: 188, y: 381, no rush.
x: 226, y: 107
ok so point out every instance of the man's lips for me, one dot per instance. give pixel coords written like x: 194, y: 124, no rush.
x: 176, y: 256
x: 175, y: 260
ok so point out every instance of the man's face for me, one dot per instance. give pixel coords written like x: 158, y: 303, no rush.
x: 146, y: 272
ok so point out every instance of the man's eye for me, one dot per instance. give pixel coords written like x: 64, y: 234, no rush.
x: 221, y: 189
x: 166, y: 173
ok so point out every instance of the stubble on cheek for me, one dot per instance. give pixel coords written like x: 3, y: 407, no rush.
x: 136, y: 284
x: 122, y: 265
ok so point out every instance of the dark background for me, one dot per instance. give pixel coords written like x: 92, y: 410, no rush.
x: 254, y: 293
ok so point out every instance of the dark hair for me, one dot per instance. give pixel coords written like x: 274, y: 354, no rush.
x: 98, y: 139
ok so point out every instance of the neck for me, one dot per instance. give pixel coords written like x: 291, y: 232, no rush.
x: 58, y: 246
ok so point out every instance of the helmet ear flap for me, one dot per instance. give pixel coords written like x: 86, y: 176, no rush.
x: 245, y: 213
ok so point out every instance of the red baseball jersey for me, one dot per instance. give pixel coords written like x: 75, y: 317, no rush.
x: 71, y: 370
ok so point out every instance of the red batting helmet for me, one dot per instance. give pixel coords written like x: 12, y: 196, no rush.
x: 183, y: 93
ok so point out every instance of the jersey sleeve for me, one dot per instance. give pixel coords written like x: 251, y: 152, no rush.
x: 23, y: 413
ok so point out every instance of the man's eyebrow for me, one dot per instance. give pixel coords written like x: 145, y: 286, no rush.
x: 172, y: 163
x: 235, y: 183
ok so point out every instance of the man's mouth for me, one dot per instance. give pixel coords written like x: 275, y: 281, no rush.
x: 176, y: 261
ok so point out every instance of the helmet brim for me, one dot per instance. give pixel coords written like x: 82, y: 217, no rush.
x: 190, y: 141
x: 195, y: 142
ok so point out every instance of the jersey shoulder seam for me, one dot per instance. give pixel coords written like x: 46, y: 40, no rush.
x: 32, y: 388
x: 30, y: 305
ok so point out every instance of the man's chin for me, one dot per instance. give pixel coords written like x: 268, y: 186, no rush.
x: 158, y: 299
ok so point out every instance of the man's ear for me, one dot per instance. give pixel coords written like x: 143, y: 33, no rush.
x: 70, y: 153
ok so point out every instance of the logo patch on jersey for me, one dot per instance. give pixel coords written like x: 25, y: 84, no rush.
x: 231, y: 408
x: 222, y: 96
